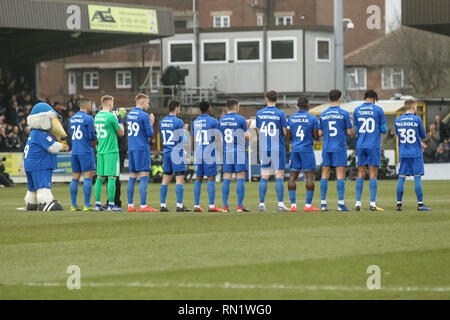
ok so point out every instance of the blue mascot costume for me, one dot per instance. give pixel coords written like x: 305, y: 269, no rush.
x: 40, y: 157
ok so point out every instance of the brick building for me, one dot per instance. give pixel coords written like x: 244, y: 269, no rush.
x: 122, y: 71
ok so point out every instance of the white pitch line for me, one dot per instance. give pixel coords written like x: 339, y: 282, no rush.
x: 228, y: 285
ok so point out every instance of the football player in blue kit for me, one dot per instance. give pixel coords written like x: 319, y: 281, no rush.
x: 410, y: 132
x: 370, y: 123
x: 334, y: 124
x: 205, y: 130
x: 140, y: 130
x: 174, y: 160
x: 271, y: 126
x: 235, y: 134
x: 84, y: 138
x: 302, y: 130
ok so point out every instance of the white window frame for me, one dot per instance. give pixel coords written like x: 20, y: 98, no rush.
x: 317, y: 50
x: 236, y: 41
x: 91, y: 86
x: 259, y: 20
x: 391, y: 87
x: 124, y: 72
x: 269, y: 54
x: 355, y: 71
x: 202, y: 49
x: 285, y: 19
x: 222, y: 21
x: 169, y: 53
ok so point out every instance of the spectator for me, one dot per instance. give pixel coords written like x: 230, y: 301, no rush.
x: 428, y: 153
x: 351, y: 141
x: 14, y: 142
x: 441, y: 128
x: 4, y: 146
x: 4, y: 176
x: 432, y: 138
x: 12, y: 112
x: 441, y: 156
x: 23, y: 136
x: 389, y: 140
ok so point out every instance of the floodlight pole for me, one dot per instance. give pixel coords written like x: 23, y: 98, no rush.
x: 339, y: 46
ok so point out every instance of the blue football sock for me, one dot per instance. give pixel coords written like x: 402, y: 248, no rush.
x: 279, y: 188
x: 262, y: 190
x: 87, y: 190
x: 74, y: 191
x: 323, y: 189
x: 418, y: 188
x: 130, y: 190
x: 225, y: 191
x: 211, y: 187
x: 400, y: 188
x: 292, y: 196
x: 309, y: 197
x: 197, y: 192
x: 359, y: 188
x: 163, y: 193
x: 179, y: 190
x: 240, y: 189
x: 373, y: 187
x: 340, y: 186
x: 143, y: 185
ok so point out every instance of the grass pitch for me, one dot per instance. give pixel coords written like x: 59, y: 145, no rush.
x: 229, y: 256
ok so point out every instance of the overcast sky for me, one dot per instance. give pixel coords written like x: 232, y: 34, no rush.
x: 393, y: 14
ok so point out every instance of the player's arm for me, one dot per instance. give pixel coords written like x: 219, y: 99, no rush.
x: 348, y: 124
x: 383, y: 128
x: 319, y: 127
x: 92, y: 133
x: 422, y: 132
x: 119, y: 129
x: 289, y: 133
x: 149, y: 125
x: 246, y: 133
x: 283, y: 123
x: 355, y: 123
x: 316, y: 134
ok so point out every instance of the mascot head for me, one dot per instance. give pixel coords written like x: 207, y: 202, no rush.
x: 44, y: 117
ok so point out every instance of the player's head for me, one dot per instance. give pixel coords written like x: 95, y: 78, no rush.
x: 370, y: 96
x: 232, y: 105
x: 85, y: 105
x: 174, y: 107
x: 142, y: 101
x: 303, y: 103
x: 334, y: 96
x: 205, y: 107
x: 410, y: 106
x: 271, y: 97
x: 107, y: 102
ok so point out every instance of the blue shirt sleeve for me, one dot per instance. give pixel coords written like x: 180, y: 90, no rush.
x: 355, y: 121
x: 348, y: 123
x: 244, y: 124
x: 91, y: 129
x: 315, y: 123
x: 148, y: 126
x: 382, y: 121
x: 45, y: 140
x: 258, y: 124
x: 283, y: 119
x: 422, y: 132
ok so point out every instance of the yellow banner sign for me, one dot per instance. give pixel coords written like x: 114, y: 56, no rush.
x: 13, y: 163
x: 122, y: 19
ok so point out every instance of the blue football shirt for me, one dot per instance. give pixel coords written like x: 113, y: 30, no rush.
x: 204, y: 130
x: 233, y: 127
x: 410, y: 130
x: 302, y: 125
x: 334, y: 123
x: 368, y: 120
x: 270, y: 121
x: 35, y: 154
x: 82, y: 132
x: 172, y: 132
x: 139, y: 130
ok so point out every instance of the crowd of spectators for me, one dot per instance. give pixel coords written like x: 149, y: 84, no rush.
x: 435, y: 146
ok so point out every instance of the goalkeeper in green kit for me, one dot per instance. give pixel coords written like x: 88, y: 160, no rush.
x: 107, y: 126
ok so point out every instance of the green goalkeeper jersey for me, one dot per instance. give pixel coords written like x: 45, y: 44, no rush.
x: 106, y: 126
